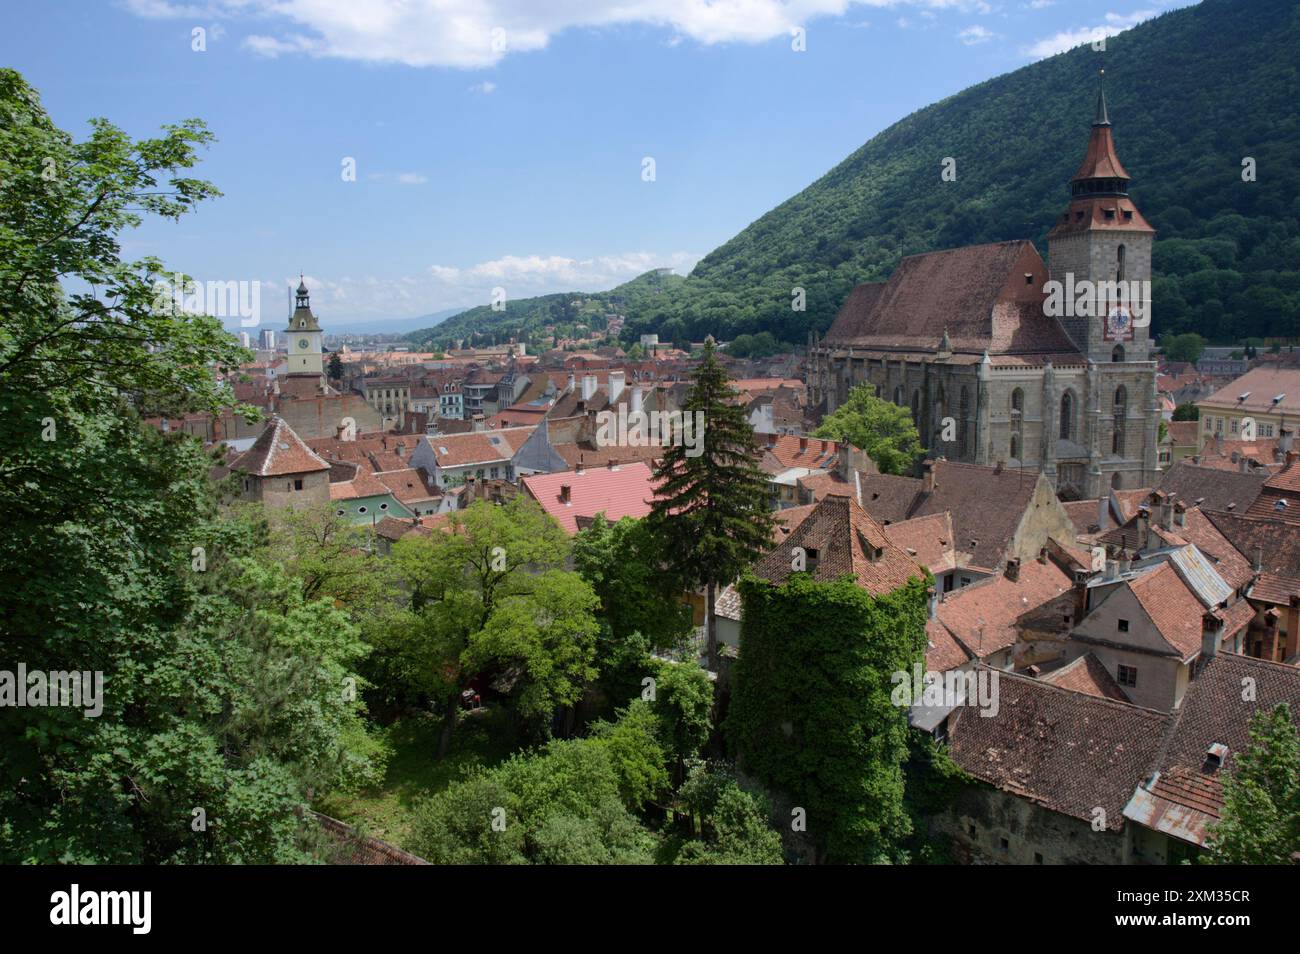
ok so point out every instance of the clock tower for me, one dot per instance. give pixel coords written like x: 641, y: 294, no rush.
x: 304, y: 336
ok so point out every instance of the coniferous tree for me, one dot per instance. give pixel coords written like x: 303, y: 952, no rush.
x: 712, y: 510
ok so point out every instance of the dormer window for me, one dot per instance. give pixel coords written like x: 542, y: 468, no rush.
x: 1110, y: 214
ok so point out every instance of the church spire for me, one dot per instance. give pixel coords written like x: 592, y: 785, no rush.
x: 1102, y: 118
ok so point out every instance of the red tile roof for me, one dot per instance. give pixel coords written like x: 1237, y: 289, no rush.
x: 983, y: 615
x: 278, y: 451
x: 1087, y: 674
x: 928, y: 540
x: 943, y: 651
x: 623, y: 492
x: 1067, y: 751
x: 839, y: 538
x: 478, y: 447
x: 810, y: 452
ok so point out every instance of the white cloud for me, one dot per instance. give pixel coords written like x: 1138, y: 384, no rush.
x: 1115, y: 23
x: 975, y: 34
x: 348, y: 298
x: 484, y: 87
x: 401, y: 178
x: 471, y: 34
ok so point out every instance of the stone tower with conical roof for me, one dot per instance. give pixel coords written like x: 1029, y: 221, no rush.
x: 1103, y: 240
x: 305, y: 353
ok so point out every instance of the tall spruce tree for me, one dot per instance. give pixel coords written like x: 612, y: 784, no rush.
x: 712, y: 510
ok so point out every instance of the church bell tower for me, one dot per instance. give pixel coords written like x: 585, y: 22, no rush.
x: 1103, y: 240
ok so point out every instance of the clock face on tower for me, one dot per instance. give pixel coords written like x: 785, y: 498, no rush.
x: 304, y: 343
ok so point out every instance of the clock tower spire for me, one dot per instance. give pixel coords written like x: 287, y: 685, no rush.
x: 304, y: 335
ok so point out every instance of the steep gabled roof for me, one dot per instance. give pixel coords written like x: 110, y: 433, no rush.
x: 985, y: 297
x: 1088, y: 675
x: 278, y: 452
x: 839, y: 538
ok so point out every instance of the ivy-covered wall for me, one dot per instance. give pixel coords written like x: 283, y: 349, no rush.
x: 811, y: 713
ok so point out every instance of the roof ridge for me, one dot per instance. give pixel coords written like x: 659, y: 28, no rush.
x: 1144, y: 710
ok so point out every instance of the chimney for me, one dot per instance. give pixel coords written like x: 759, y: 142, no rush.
x: 613, y: 464
x: 1284, y: 439
x: 1211, y: 627
x: 1013, y: 570
x: 580, y: 468
x: 927, y: 477
x: 1102, y: 509
x: 565, y: 493
x: 1112, y: 569
x: 1144, y: 534
x: 616, y: 379
x: 803, y: 444
x: 638, y: 399
x: 1042, y: 555
x: 1180, y: 515
x: 1125, y: 562
x: 569, y: 389
x: 1167, y: 513
x: 932, y: 601
x: 997, y: 468
x: 1259, y: 559
x: 1245, y: 464
x: 588, y: 386
x: 399, y: 449
x: 1080, y: 596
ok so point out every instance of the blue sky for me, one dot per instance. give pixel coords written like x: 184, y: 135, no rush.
x: 501, y: 142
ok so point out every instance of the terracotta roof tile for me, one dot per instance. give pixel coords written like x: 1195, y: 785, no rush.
x: 984, y: 615
x: 1087, y: 674
x: 1070, y: 752
x: 839, y: 538
x: 928, y: 540
x: 623, y: 492
x: 278, y: 451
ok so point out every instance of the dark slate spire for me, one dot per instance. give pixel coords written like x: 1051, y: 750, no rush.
x: 1102, y: 118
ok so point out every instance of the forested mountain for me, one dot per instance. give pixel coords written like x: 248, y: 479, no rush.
x: 1192, y: 94
x: 523, y: 318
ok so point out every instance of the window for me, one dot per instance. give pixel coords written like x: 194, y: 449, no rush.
x: 1067, y: 415
x: 383, y: 506
x: 1015, y: 447
x: 1017, y: 402
x: 1128, y: 676
x: 1117, y: 354
x: 297, y: 484
x: 362, y: 509
x: 1006, y: 845
x: 1038, y: 858
x: 1119, y: 264
x: 1123, y: 625
x: 1121, y: 412
x: 340, y: 513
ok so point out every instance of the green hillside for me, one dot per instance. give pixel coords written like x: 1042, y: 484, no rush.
x: 1191, y: 94
x: 524, y: 318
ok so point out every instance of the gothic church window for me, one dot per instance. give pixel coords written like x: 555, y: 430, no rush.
x: 1067, y: 416
x: 1121, y: 412
x: 1017, y: 402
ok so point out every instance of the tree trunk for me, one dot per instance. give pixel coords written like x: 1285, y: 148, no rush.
x: 448, y: 725
x: 711, y: 626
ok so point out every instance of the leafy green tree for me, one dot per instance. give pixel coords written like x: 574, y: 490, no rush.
x: 641, y: 610
x: 711, y: 512
x: 224, y: 690
x: 732, y: 823
x: 636, y: 753
x: 811, y: 711
x: 492, y: 595
x: 557, y: 806
x: 683, y: 702
x: 884, y: 430
x: 1187, y: 412
x: 1260, y: 822
x: 1185, y: 347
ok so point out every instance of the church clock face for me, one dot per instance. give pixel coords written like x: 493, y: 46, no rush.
x: 304, y: 344
x: 1119, y: 324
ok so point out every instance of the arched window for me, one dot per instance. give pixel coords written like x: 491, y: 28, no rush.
x: 1015, y: 447
x: 1119, y: 265
x: 1017, y: 402
x: 1121, y: 412
x: 1117, y: 353
x: 898, y: 395
x: 1115, y: 481
x: 916, y: 408
x: 1067, y: 416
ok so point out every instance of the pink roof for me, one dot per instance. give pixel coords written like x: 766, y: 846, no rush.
x: 622, y: 492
